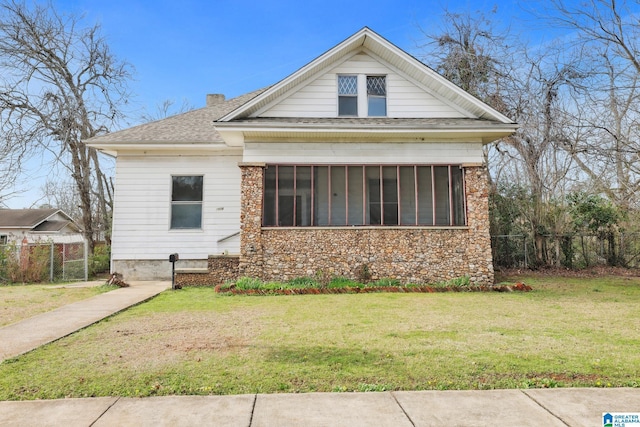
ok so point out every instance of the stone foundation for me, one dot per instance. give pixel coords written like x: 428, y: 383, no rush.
x: 409, y: 254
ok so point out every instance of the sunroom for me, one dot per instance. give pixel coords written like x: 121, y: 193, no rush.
x: 302, y: 195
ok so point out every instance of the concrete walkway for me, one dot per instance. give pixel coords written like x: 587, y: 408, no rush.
x: 24, y: 336
x: 538, y: 407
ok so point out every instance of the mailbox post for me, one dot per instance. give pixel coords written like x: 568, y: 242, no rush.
x: 172, y: 259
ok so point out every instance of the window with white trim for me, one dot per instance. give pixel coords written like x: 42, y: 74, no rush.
x: 186, y: 201
x: 3, y: 239
x: 377, y: 96
x: 361, y: 195
x: 362, y: 96
x: 347, y: 95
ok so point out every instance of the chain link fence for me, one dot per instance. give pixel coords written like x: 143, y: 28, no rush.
x: 570, y: 251
x: 42, y: 262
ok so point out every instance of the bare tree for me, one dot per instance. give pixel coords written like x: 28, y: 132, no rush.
x: 529, y: 89
x: 605, y: 130
x: 165, y: 109
x: 60, y: 86
x: 471, y: 52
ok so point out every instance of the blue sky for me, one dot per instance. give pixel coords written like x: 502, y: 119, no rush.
x: 187, y: 48
x: 183, y: 49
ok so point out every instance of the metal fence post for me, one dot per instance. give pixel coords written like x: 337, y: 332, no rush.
x: 51, y: 262
x: 86, y: 260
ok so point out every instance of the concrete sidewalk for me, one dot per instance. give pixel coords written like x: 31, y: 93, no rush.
x: 24, y: 336
x: 537, y: 407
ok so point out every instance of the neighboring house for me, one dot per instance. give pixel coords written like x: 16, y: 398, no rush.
x: 363, y: 163
x: 37, y: 225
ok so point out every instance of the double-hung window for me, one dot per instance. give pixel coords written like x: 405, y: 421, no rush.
x: 377, y: 95
x: 362, y: 195
x: 186, y: 201
x: 347, y: 95
x: 362, y: 96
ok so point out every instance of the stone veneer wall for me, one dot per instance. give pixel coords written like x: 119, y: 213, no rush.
x: 221, y: 269
x: 410, y: 254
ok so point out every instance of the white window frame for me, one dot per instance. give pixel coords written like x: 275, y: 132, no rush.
x: 173, y: 203
x: 362, y: 95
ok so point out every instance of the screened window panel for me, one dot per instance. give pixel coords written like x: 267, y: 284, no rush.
x: 286, y: 204
x: 269, y: 204
x: 425, y: 196
x: 321, y: 196
x: 355, y: 195
x: 374, y: 214
x: 441, y: 174
x: 457, y: 192
x: 407, y: 195
x: 338, y: 196
x: 390, y: 195
x: 303, y: 194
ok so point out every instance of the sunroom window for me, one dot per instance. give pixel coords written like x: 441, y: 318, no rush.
x: 361, y: 195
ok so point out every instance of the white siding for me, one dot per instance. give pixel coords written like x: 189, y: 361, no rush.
x: 319, y: 97
x: 360, y: 153
x: 143, y: 202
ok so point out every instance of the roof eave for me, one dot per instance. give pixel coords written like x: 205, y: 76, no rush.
x: 236, y: 135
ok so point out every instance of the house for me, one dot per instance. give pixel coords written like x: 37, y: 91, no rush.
x: 363, y: 163
x: 37, y: 225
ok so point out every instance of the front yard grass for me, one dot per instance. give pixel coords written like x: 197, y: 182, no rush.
x: 19, y: 302
x: 567, y: 332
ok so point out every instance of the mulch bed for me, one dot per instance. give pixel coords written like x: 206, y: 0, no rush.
x: 597, y: 271
x: 516, y: 287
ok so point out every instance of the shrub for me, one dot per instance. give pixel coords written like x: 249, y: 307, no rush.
x: 99, y: 262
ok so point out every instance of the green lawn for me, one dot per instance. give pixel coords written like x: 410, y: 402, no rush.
x: 567, y: 332
x: 18, y: 302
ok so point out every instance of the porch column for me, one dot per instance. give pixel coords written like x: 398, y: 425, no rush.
x: 251, y: 250
x: 477, y: 191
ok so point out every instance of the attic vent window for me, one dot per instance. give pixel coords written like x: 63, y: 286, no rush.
x: 377, y: 95
x: 347, y: 95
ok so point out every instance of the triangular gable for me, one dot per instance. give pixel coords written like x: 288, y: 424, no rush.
x: 317, y: 97
x: 376, y: 46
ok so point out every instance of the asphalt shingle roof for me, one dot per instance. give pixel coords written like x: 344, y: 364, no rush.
x: 24, y: 218
x: 194, y: 126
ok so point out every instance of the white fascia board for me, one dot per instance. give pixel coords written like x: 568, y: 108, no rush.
x: 164, y: 148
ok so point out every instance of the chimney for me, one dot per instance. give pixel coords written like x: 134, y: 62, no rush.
x: 214, y: 98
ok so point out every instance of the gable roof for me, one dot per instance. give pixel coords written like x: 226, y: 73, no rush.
x: 387, y: 51
x: 226, y: 124
x: 38, y: 220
